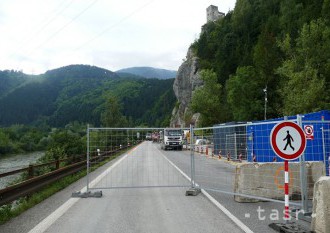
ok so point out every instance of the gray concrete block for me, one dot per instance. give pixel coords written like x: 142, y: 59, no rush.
x: 321, y: 206
x: 193, y: 192
x: 267, y: 180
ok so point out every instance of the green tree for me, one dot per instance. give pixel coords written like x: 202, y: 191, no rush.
x: 245, y: 95
x: 6, y: 145
x: 266, y: 55
x: 112, y: 116
x: 266, y: 59
x: 290, y: 16
x: 306, y: 71
x: 67, y: 142
x: 208, y: 100
x: 326, y: 10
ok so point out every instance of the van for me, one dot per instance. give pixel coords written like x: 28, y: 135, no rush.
x: 148, y: 136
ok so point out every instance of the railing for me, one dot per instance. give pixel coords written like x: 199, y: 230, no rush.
x: 35, y: 183
x: 31, y: 169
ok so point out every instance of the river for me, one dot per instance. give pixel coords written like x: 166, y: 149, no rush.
x: 13, y: 162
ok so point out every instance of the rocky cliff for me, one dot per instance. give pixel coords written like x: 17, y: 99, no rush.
x: 186, y: 81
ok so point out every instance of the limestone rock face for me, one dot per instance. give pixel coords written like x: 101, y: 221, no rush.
x: 186, y: 81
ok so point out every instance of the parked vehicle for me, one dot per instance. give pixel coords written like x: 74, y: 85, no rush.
x: 148, y: 137
x: 172, y: 139
x: 161, y: 136
x: 155, y: 137
x: 200, y: 142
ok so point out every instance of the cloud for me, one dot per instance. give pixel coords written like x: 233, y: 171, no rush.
x: 38, y: 35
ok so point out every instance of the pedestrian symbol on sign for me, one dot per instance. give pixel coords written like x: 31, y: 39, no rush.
x: 288, y: 139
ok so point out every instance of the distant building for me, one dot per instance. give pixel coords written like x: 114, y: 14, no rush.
x: 213, y: 14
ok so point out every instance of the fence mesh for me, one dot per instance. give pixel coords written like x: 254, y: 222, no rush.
x: 141, y: 162
x: 238, y: 159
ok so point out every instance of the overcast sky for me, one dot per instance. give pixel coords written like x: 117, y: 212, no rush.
x: 39, y: 35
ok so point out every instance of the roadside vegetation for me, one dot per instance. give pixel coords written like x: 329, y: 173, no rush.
x: 21, y: 138
x: 24, y: 139
x: 59, y: 143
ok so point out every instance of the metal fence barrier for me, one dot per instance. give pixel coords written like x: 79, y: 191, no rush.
x: 141, y: 167
x: 238, y: 160
x: 235, y: 159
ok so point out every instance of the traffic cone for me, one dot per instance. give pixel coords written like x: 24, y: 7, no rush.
x: 240, y: 157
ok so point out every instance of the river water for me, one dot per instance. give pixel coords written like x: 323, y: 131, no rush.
x: 14, y: 162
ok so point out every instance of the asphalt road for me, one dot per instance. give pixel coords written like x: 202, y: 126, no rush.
x: 217, y: 177
x: 161, y: 206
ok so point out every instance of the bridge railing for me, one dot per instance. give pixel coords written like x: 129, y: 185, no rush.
x: 34, y: 182
x: 32, y: 168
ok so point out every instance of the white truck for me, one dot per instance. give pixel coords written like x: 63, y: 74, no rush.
x: 172, y: 138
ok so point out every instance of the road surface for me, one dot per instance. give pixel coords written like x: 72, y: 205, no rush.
x: 218, y: 177
x: 158, y: 208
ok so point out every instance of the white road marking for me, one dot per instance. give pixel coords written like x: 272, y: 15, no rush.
x: 182, y: 173
x: 238, y: 222
x: 48, y: 221
x: 52, y: 218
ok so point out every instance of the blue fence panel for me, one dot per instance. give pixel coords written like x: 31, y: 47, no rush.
x: 260, y: 144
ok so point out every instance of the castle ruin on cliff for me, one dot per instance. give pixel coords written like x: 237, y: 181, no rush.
x: 213, y: 14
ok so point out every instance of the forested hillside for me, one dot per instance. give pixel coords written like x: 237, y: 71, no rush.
x: 10, y: 80
x: 148, y: 72
x: 79, y: 93
x: 281, y: 47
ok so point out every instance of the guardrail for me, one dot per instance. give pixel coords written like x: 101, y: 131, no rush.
x: 32, y: 168
x: 35, y: 183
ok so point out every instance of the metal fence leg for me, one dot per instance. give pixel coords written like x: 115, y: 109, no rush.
x: 87, y: 157
x: 235, y: 146
x: 324, y: 155
x: 303, y: 176
x: 193, y: 191
x: 192, y: 157
x: 88, y: 193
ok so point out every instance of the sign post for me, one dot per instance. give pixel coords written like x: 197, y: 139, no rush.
x: 288, y: 141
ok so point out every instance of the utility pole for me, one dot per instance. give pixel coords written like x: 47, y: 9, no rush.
x: 266, y: 100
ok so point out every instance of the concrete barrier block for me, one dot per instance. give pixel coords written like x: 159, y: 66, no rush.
x: 321, y: 206
x: 210, y: 151
x: 315, y: 171
x: 267, y: 180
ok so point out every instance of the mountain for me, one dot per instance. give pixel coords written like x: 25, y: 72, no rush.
x: 10, y: 80
x: 148, y: 72
x: 78, y: 93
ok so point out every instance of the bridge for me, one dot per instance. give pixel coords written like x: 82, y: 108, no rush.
x: 144, y: 190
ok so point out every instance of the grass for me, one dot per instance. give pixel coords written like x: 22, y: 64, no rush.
x: 14, y: 209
